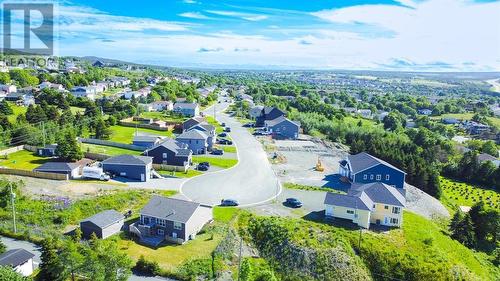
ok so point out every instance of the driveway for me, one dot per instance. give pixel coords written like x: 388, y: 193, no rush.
x: 251, y: 182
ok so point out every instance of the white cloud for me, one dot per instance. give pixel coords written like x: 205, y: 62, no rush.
x: 194, y: 15
x: 189, y: 1
x: 245, y: 16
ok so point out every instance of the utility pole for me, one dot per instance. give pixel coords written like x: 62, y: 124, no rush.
x: 43, y: 133
x: 239, y: 259
x: 12, y: 201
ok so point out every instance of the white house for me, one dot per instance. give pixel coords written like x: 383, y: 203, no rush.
x: 162, y: 105
x: 256, y: 111
x: 18, y: 259
x: 371, y: 203
x: 47, y: 84
x: 8, y: 88
x: 84, y: 92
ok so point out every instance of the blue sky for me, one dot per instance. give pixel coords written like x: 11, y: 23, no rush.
x: 428, y: 35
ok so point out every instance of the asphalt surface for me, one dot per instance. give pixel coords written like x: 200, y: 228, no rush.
x: 251, y: 182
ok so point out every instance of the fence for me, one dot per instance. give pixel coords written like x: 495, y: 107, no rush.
x: 128, y: 122
x: 30, y: 148
x: 11, y: 150
x: 95, y: 156
x: 112, y: 143
x: 163, y: 167
x: 33, y: 174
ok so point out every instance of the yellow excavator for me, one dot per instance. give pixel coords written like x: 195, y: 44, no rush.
x: 319, y: 166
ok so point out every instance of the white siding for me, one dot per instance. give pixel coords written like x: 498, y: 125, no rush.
x: 112, y: 229
x: 200, y: 217
x: 25, y: 269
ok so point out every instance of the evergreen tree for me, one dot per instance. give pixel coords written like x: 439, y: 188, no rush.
x: 246, y: 270
x: 462, y: 229
x: 51, y: 268
x: 102, y: 130
x: 8, y: 274
x: 5, y: 108
x: 2, y: 247
x: 67, y: 146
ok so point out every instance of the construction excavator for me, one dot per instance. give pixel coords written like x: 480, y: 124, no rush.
x: 319, y: 166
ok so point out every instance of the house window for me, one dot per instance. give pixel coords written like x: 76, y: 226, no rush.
x: 371, y: 177
x: 387, y: 177
x: 162, y: 223
x: 394, y: 221
x: 365, y: 176
x: 396, y: 210
x: 164, y: 156
x: 386, y: 207
x: 161, y: 231
x: 177, y: 225
x: 379, y: 177
x: 373, y: 206
x: 350, y: 212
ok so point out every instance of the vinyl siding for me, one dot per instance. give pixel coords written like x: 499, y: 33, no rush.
x: 396, y: 178
x: 380, y: 213
x: 200, y: 217
x: 131, y: 171
x: 362, y: 220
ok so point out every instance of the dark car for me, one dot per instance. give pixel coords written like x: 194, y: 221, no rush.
x: 222, y: 135
x: 205, y: 164
x: 217, y: 152
x: 225, y: 141
x: 227, y: 129
x: 202, y: 167
x: 229, y: 202
x: 223, y: 124
x: 249, y: 125
x: 293, y: 202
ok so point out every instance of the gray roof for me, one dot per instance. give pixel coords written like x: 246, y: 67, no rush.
x: 57, y: 166
x: 193, y: 134
x: 105, y: 218
x: 185, y: 105
x: 128, y: 160
x: 146, y: 138
x: 184, y: 152
x: 485, y: 157
x: 348, y: 201
x: 15, y: 257
x: 380, y: 193
x: 363, y: 161
x: 170, y: 209
x: 179, y: 148
x: 279, y: 120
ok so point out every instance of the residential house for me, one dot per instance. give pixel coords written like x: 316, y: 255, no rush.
x: 161, y: 105
x: 268, y: 113
x: 256, y: 111
x: 47, y: 151
x: 129, y: 166
x: 170, y: 152
x: 450, y: 121
x: 84, y: 92
x: 196, y: 140
x: 209, y: 130
x: 46, y: 84
x: 98, y: 63
x: 187, y: 109
x: 18, y: 97
x: 103, y: 224
x: 186, y: 125
x: 146, y: 141
x: 119, y: 81
x: 425, y: 111
x: 170, y: 219
x: 475, y: 128
x: 8, y: 88
x: 20, y: 260
x: 365, y: 113
x: 371, y: 203
x: 71, y: 170
x: 283, y: 128
x: 484, y: 157
x: 365, y: 168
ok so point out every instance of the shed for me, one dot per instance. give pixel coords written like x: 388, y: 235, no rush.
x: 18, y: 259
x: 47, y: 151
x: 72, y: 170
x: 129, y: 166
x: 103, y: 224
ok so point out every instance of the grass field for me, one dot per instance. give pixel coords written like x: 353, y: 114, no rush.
x: 188, y: 174
x: 227, y: 148
x: 162, y: 116
x: 467, y: 116
x: 218, y: 128
x: 108, y: 150
x: 126, y: 134
x: 75, y: 110
x: 457, y: 194
x: 17, y: 111
x: 23, y: 160
x: 219, y: 162
x: 308, y: 187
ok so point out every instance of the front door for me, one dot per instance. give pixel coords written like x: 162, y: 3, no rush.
x: 142, y: 177
x: 174, y: 235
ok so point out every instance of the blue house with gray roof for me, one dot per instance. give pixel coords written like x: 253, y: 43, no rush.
x: 129, y: 166
x: 196, y: 140
x: 283, y: 128
x: 103, y: 224
x: 365, y: 168
x: 170, y: 152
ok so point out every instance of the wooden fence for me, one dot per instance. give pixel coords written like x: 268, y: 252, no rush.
x: 10, y: 150
x: 33, y: 174
x: 112, y: 143
x: 96, y: 156
x: 163, y: 167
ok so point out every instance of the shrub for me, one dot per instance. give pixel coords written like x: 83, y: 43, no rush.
x: 147, y: 267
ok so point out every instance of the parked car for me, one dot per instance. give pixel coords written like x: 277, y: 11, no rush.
x: 229, y: 202
x: 202, y: 167
x: 249, y: 125
x: 204, y: 164
x: 293, y: 202
x: 223, y: 124
x: 222, y: 135
x: 261, y: 133
x: 225, y: 141
x: 217, y: 152
x: 227, y: 130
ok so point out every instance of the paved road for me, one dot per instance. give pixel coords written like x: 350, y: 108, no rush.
x: 252, y: 181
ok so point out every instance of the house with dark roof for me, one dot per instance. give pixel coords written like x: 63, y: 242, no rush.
x: 20, y: 260
x: 170, y: 152
x: 283, y: 128
x: 170, y: 219
x: 47, y: 151
x: 268, y: 113
x: 186, y: 125
x: 72, y: 170
x: 365, y: 168
x: 484, y: 157
x: 209, y: 130
x: 365, y: 204
x: 187, y: 109
x: 129, y: 166
x: 196, y: 140
x: 103, y: 224
x: 146, y: 141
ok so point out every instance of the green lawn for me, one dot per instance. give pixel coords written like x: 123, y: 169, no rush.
x: 467, y: 116
x: 219, y: 162
x: 108, y: 150
x: 163, y: 116
x: 211, y: 120
x: 75, y: 110
x: 23, y: 160
x: 227, y: 148
x: 225, y: 214
x: 188, y: 174
x: 126, y: 134
x: 17, y: 110
x: 457, y: 194
x: 290, y: 185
